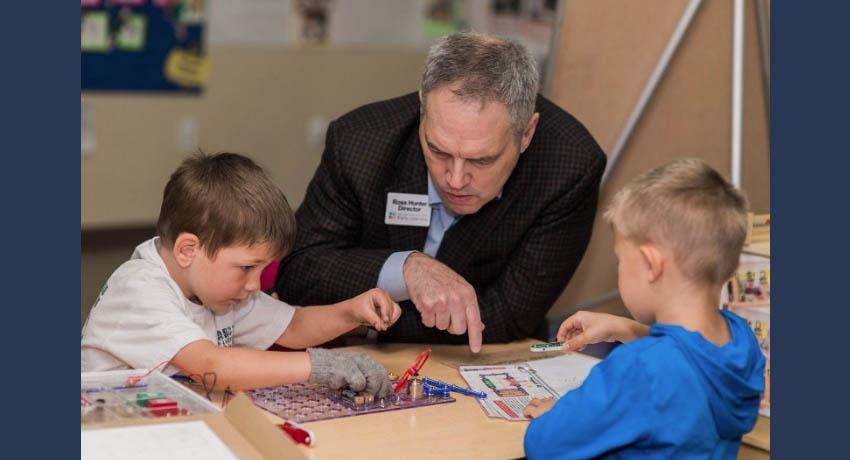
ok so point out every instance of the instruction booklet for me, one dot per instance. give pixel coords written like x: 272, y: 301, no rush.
x: 510, y: 387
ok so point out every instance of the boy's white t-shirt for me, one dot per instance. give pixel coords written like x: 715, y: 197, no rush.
x: 141, y: 318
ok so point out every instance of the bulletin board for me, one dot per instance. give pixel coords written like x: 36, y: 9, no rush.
x: 143, y: 45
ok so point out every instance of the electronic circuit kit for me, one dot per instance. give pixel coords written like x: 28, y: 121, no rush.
x: 132, y: 394
x: 304, y: 402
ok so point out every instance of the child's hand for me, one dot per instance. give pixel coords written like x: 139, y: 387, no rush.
x: 375, y: 308
x: 355, y: 370
x: 586, y: 328
x: 538, y: 407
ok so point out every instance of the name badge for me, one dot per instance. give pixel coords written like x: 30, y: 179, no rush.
x: 408, y: 209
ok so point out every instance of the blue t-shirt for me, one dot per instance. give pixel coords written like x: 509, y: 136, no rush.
x: 672, y: 394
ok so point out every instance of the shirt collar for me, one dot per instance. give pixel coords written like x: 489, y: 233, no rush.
x: 433, y: 196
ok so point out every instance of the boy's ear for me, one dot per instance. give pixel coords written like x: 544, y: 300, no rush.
x: 654, y: 261
x: 186, y: 247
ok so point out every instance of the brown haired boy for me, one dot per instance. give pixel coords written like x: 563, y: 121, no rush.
x: 190, y: 296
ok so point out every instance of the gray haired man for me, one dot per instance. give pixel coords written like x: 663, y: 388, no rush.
x: 471, y: 201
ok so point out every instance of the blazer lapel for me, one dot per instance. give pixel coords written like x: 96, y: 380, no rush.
x: 462, y: 240
x: 410, y: 177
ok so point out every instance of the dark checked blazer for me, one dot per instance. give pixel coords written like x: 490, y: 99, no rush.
x: 518, y: 251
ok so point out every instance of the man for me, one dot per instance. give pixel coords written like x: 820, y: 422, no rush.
x: 472, y: 201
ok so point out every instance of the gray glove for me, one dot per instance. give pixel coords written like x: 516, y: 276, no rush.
x: 356, y: 370
x: 377, y: 381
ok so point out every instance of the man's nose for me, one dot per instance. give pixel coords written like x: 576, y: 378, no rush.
x: 457, y: 178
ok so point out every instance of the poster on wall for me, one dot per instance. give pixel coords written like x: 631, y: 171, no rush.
x: 311, y: 22
x: 248, y: 23
x: 143, y: 45
x: 529, y: 21
x: 419, y: 23
x: 443, y: 17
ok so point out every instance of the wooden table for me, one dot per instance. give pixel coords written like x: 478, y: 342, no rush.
x: 454, y: 430
x: 756, y: 444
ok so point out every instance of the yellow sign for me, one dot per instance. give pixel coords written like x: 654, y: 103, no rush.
x: 187, y: 69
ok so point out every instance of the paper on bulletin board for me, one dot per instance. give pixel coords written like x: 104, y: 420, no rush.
x: 249, y: 22
x: 186, y: 69
x: 94, y: 32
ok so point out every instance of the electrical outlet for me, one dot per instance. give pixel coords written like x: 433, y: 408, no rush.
x: 87, y: 143
x: 187, y: 134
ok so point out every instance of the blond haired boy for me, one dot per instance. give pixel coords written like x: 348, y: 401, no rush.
x: 190, y: 297
x: 686, y: 383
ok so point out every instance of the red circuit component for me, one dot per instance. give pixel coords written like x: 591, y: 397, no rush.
x: 165, y: 411
x: 162, y: 407
x: 297, y: 433
x: 161, y: 403
x: 413, y: 370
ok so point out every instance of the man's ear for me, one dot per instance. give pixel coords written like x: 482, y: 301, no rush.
x: 528, y: 134
x: 187, y: 246
x: 653, y: 259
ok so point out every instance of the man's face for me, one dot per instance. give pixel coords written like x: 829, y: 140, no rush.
x: 228, y: 279
x: 470, y: 149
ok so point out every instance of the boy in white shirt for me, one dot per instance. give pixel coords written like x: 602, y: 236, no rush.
x: 190, y: 296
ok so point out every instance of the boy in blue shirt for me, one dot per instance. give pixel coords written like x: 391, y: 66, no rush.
x: 686, y: 382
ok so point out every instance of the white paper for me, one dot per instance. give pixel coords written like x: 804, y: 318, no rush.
x: 565, y: 372
x: 178, y: 441
x: 511, y: 387
x: 249, y: 22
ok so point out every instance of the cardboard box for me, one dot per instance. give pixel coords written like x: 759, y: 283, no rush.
x: 242, y: 427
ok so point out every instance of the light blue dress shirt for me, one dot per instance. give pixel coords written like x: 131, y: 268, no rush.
x: 391, y: 277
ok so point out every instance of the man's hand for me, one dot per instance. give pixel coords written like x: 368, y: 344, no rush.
x: 586, y: 328
x: 374, y: 308
x: 537, y: 407
x: 444, y: 299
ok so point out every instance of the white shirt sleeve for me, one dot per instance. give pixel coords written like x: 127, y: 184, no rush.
x: 141, y: 321
x: 260, y: 321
